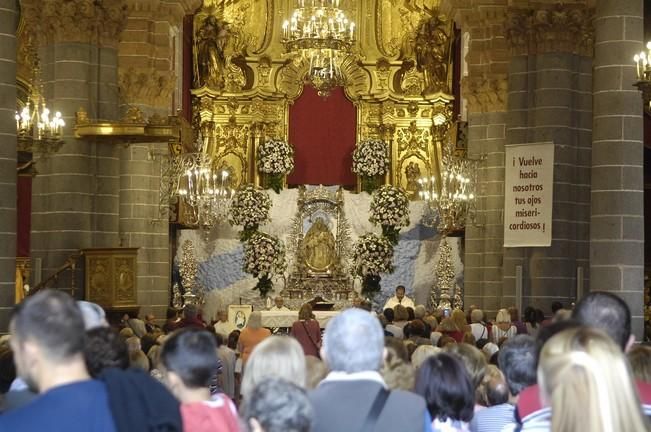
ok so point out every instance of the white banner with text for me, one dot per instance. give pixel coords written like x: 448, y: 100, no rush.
x: 528, y: 194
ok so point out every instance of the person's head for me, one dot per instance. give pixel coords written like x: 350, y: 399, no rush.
x: 410, y: 313
x: 517, y: 360
x: 353, y: 342
x: 171, y: 314
x: 448, y: 325
x: 585, y: 379
x: 190, y: 312
x: 606, y: 312
x: 275, y: 356
x: 419, y: 312
x: 93, y: 314
x: 503, y: 317
x: 469, y: 338
x: 431, y: 321
x: 444, y: 341
x: 233, y: 339
x: 639, y: 357
x: 189, y: 360
x: 389, y: 315
x: 493, y: 389
x: 279, y: 302
x: 400, y: 292
x: 400, y: 313
x: 277, y: 405
x: 515, y: 313
x: 417, y: 328
x: 47, y: 330
x: 222, y: 316
x: 104, y: 348
x: 396, y: 346
x: 397, y: 373
x: 473, y: 360
x: 255, y: 320
x: 556, y: 306
x: 477, y: 316
x: 305, y: 313
x: 422, y: 353
x: 459, y: 319
x: 545, y: 333
x: 447, y: 389
x: 529, y: 315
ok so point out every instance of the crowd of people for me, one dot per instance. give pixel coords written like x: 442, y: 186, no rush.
x: 405, y: 368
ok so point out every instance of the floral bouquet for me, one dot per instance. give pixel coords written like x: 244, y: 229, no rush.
x: 249, y: 208
x: 372, y: 255
x: 390, y: 210
x: 276, y: 160
x: 371, y: 161
x: 264, y: 256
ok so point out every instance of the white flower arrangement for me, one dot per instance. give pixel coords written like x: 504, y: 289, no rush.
x: 249, y: 208
x: 275, y: 157
x: 264, y: 256
x: 371, y: 158
x: 372, y: 255
x: 390, y: 207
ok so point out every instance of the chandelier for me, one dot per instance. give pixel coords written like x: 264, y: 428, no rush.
x: 450, y: 204
x: 203, y: 187
x: 37, y: 128
x: 643, y: 67
x: 320, y: 34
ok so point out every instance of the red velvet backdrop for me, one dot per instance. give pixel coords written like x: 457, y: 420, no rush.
x: 322, y: 132
x: 24, y: 214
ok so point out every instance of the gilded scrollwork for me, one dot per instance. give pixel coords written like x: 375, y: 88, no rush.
x: 412, y: 138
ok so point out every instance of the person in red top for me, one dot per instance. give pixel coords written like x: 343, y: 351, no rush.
x: 189, y: 362
x: 191, y: 318
x: 307, y: 331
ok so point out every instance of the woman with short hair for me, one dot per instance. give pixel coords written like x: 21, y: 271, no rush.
x: 503, y: 328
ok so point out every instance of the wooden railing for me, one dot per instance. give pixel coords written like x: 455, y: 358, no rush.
x: 70, y: 264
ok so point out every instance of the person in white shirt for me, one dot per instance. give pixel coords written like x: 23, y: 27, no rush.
x: 279, y: 305
x: 399, y: 299
x: 223, y: 327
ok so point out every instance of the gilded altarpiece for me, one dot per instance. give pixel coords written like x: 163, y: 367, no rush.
x: 398, y: 75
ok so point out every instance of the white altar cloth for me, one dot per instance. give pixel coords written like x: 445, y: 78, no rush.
x: 286, y: 318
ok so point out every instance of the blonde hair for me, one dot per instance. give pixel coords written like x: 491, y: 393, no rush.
x: 398, y: 374
x: 448, y: 325
x: 276, y: 356
x: 472, y: 359
x: 459, y: 319
x: 400, y: 313
x: 422, y: 353
x: 316, y: 371
x: 503, y: 316
x: 255, y: 320
x: 585, y: 378
x: 639, y: 357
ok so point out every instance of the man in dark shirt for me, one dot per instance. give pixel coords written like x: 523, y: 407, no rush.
x: 47, y: 338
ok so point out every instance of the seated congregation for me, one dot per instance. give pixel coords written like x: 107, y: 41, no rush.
x: 63, y: 368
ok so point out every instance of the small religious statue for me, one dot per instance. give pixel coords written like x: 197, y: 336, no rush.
x: 412, y: 173
x: 433, y: 52
x: 319, y: 247
x: 210, y: 40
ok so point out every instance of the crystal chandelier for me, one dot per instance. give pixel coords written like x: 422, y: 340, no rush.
x: 37, y: 128
x: 320, y: 34
x: 203, y: 187
x: 451, y: 203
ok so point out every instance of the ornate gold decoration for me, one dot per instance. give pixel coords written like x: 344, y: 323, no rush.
x: 146, y: 86
x: 558, y: 28
x: 397, y: 24
x: 485, y: 93
x: 132, y: 128
x: 188, y: 269
x: 318, y: 255
x: 433, y: 51
x: 84, y: 21
x: 111, y: 276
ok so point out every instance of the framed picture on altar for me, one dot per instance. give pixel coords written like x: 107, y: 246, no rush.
x: 238, y: 315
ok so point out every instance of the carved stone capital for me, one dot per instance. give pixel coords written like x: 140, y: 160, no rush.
x: 84, y: 21
x: 146, y: 86
x: 485, y: 93
x: 550, y: 29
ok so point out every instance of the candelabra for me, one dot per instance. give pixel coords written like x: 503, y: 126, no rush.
x: 320, y: 34
x: 37, y: 128
x: 643, y: 68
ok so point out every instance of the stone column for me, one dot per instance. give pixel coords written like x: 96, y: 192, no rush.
x: 484, y: 89
x: 75, y: 195
x: 617, y: 212
x: 148, y: 77
x: 9, y: 20
x: 550, y: 100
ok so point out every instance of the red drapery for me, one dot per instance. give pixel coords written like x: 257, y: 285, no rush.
x: 24, y: 214
x: 323, y: 134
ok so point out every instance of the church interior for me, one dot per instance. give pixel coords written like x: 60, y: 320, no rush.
x: 225, y: 153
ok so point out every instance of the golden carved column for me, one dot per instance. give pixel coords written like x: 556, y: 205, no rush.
x: 75, y: 195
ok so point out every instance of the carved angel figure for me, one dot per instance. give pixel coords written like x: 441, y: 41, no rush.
x: 433, y: 52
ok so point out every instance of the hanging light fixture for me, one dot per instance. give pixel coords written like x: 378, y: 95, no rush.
x: 38, y: 129
x: 319, y: 33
